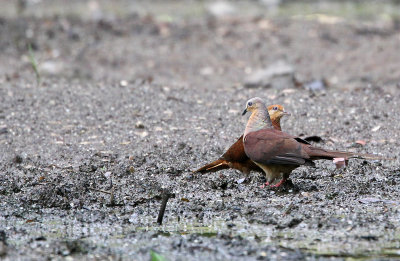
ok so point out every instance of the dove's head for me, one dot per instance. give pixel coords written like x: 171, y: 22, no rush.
x: 254, y: 104
x: 259, y: 118
x: 277, y: 111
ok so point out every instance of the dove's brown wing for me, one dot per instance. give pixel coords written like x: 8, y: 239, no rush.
x: 273, y: 147
x: 234, y: 157
x: 236, y: 152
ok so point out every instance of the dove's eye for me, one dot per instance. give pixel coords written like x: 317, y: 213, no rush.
x: 275, y: 108
x: 249, y: 104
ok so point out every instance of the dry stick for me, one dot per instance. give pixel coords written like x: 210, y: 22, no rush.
x: 166, y: 196
x: 112, y: 201
x: 99, y: 190
x: 111, y: 193
x: 288, y: 209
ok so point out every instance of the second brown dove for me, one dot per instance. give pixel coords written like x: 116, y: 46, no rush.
x: 235, y: 157
x: 278, y: 153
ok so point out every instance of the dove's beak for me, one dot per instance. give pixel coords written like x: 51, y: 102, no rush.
x: 244, y: 112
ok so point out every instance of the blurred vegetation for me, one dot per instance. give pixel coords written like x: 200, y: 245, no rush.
x: 34, y: 64
x: 156, y: 257
x: 175, y: 9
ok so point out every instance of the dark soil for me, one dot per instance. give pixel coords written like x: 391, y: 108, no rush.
x: 134, y: 104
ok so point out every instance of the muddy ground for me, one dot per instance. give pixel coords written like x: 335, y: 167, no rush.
x: 136, y: 102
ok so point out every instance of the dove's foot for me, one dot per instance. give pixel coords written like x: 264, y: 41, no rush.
x: 279, y: 183
x: 264, y: 185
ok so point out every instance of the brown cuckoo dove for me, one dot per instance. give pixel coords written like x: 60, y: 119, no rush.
x: 278, y: 153
x: 235, y: 157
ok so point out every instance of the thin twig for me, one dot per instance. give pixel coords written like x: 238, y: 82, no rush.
x: 99, y: 190
x: 288, y: 209
x: 112, y: 202
x: 166, y: 196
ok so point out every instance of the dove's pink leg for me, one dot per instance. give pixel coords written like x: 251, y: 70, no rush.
x: 279, y: 183
x: 264, y: 185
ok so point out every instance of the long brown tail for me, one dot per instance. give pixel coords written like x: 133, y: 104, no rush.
x: 318, y: 153
x: 214, y: 166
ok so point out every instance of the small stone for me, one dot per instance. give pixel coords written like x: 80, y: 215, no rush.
x: 123, y: 83
x: 65, y: 252
x: 230, y: 225
x: 142, y: 134
x: 3, y: 130
x: 221, y: 8
x: 139, y: 125
x: 240, y: 181
x: 263, y: 254
x: 134, y: 218
x: 370, y: 200
x: 168, y: 113
x: 305, y: 194
x: 17, y: 159
x: 376, y: 128
x: 318, y: 85
x: 265, y: 24
x: 51, y: 67
x: 288, y: 91
x: 206, y: 71
x: 278, y: 75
